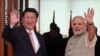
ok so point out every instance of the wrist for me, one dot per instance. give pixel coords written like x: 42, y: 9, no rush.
x: 90, y: 23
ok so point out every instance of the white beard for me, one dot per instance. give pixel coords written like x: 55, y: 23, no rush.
x: 79, y: 32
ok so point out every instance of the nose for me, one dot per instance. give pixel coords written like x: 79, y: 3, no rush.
x: 29, y: 19
x: 76, y: 25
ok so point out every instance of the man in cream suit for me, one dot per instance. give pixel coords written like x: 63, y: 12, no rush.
x: 84, y: 39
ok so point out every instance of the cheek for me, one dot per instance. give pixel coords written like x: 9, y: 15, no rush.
x: 35, y: 21
x: 24, y: 20
x: 72, y: 26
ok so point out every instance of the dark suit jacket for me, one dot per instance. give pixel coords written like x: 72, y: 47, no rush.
x: 21, y: 43
x: 97, y: 47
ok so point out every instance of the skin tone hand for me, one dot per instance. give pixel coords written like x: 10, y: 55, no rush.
x: 14, y: 19
x: 89, y: 19
x: 89, y: 15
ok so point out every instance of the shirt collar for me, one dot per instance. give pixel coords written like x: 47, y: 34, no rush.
x: 32, y: 31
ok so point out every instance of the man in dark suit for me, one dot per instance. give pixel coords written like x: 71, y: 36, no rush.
x: 19, y: 35
x: 97, y: 47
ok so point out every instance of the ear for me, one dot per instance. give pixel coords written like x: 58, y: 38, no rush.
x: 37, y: 20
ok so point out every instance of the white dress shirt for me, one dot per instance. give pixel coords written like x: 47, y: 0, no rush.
x: 36, y: 42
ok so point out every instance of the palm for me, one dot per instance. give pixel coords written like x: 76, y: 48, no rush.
x: 14, y: 17
x: 89, y: 15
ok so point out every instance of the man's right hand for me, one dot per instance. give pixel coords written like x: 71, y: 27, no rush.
x: 14, y: 19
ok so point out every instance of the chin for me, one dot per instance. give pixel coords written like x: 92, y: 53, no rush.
x: 78, y: 33
x: 30, y: 28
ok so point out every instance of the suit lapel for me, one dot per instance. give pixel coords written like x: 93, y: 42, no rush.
x: 27, y: 39
x: 39, y: 40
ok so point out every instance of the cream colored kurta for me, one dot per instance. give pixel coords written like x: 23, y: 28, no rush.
x: 76, y: 46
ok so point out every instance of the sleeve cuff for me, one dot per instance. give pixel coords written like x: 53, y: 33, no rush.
x: 11, y: 26
x: 92, y: 43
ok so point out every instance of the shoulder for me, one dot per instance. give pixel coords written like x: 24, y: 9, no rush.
x: 98, y: 39
x: 38, y: 34
x: 46, y: 33
x: 18, y: 30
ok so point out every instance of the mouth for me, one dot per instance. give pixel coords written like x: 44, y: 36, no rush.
x: 77, y: 29
x: 29, y: 23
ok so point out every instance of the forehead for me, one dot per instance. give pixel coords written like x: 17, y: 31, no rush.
x: 29, y: 13
x: 78, y: 19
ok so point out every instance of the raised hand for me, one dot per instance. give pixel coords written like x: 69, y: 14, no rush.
x: 89, y: 15
x: 90, y: 26
x: 14, y: 19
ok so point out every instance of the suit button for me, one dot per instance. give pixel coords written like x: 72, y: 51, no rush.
x: 71, y: 43
x: 69, y: 50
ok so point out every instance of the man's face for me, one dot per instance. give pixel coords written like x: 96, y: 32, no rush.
x: 79, y: 26
x: 29, y: 20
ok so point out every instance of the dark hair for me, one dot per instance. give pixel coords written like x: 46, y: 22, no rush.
x: 54, y: 27
x: 30, y: 10
x: 96, y: 30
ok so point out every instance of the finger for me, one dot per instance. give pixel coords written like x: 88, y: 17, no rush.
x: 92, y: 11
x: 15, y: 13
x: 11, y: 13
x: 85, y: 14
x: 88, y: 11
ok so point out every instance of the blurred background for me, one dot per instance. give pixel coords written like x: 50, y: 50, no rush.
x: 62, y: 11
